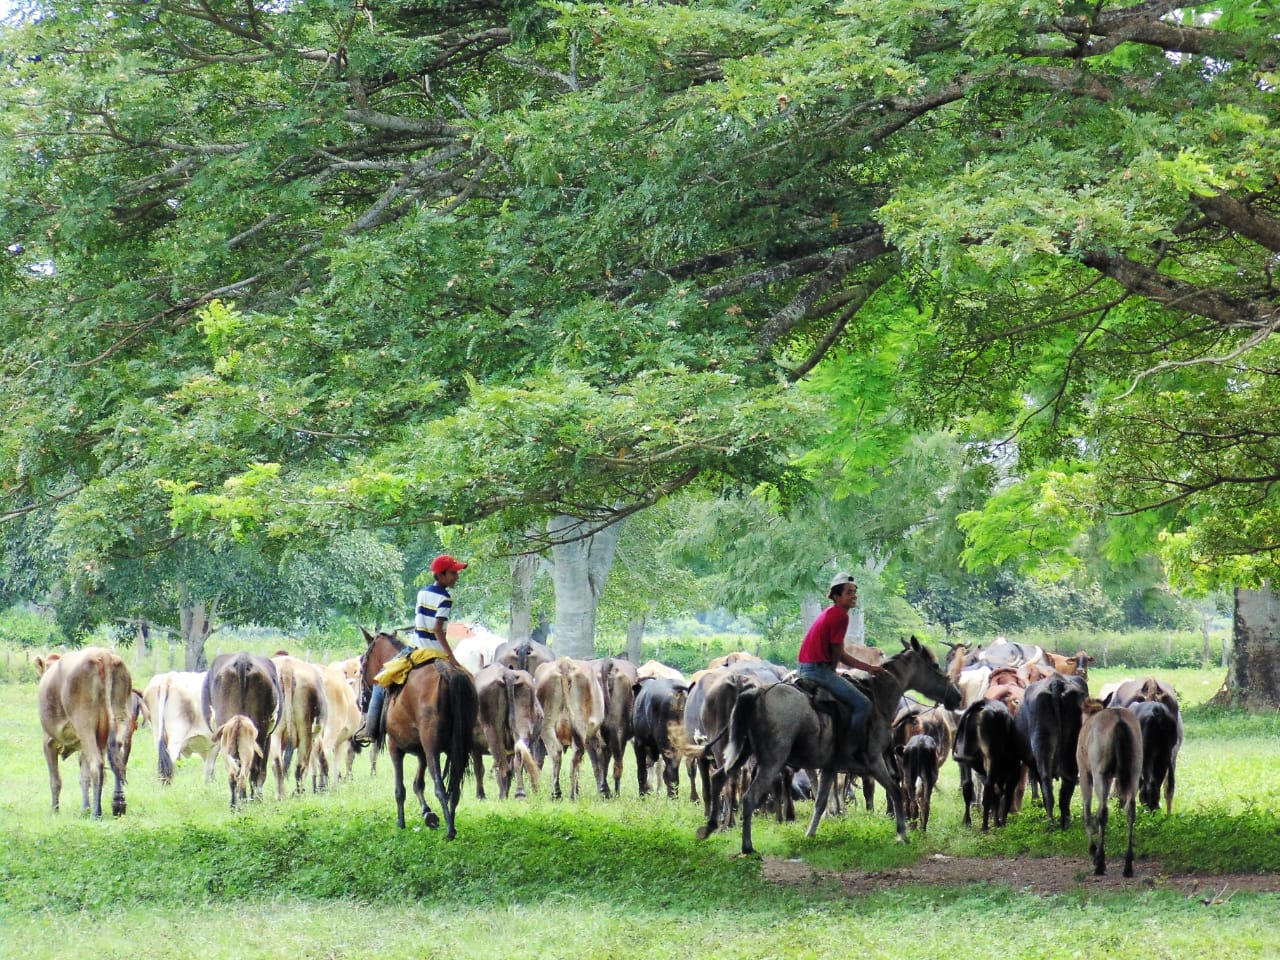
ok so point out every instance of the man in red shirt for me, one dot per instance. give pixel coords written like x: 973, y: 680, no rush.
x: 823, y: 650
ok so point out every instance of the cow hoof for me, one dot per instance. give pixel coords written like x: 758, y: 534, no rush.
x: 520, y: 795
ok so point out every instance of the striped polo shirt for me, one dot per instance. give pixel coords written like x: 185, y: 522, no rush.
x: 434, y: 604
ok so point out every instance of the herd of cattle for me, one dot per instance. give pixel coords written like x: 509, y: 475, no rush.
x: 1024, y: 714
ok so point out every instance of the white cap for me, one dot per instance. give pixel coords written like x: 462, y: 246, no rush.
x: 842, y: 578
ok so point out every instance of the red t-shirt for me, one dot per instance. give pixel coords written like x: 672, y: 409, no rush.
x: 829, y: 629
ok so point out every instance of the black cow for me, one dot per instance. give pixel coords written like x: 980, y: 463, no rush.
x: 242, y: 687
x: 1159, y: 728
x: 659, y: 703
x: 1050, y: 719
x: 989, y: 744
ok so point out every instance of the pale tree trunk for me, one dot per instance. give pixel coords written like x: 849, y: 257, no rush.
x: 524, y: 570
x: 635, y: 635
x: 810, y: 607
x: 579, y: 570
x: 1253, y: 673
x: 196, y: 618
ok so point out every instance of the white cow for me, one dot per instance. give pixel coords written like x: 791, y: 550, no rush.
x: 177, y: 722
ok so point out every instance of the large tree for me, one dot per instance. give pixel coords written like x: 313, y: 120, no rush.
x: 563, y: 260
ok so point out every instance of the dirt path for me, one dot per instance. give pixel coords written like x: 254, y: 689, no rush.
x: 1040, y: 875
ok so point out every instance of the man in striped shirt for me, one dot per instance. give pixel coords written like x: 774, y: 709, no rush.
x: 430, y: 623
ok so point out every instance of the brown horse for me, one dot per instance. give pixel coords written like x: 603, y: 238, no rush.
x: 433, y: 712
x: 779, y: 726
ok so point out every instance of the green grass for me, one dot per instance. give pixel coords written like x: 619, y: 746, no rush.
x: 330, y: 876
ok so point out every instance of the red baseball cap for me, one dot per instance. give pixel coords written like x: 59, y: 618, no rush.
x: 444, y: 563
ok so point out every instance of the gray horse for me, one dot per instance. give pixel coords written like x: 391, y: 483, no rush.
x: 779, y: 726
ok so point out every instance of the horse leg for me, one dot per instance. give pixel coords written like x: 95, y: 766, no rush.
x: 429, y: 816
x: 1168, y: 786
x: 397, y: 768
x: 750, y: 800
x: 431, y: 761
x: 880, y: 771
x: 689, y: 768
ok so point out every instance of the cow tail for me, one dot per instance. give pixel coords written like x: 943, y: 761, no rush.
x: 740, y: 723
x: 1126, y: 751
x: 162, y: 736
x: 509, y: 684
x: 115, y: 724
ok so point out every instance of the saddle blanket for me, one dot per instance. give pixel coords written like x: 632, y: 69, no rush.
x: 395, y: 671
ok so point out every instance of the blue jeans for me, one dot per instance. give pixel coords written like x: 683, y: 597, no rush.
x: 820, y: 674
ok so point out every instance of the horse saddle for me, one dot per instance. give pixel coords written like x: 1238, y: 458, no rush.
x: 823, y: 701
x: 396, y: 670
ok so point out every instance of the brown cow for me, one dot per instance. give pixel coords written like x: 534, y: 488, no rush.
x: 1077, y: 665
x: 173, y: 703
x: 301, y: 729
x: 573, y: 709
x: 617, y: 679
x: 341, y: 720
x: 242, y: 685
x: 87, y: 703
x: 508, y: 721
x: 1109, y: 754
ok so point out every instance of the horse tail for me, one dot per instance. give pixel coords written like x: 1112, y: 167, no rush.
x: 740, y: 723
x: 463, y: 708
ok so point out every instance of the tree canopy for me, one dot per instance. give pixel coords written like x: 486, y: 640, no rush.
x: 277, y: 271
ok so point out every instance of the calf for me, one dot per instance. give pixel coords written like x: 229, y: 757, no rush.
x: 179, y: 726
x: 1049, y: 719
x: 573, y: 709
x: 659, y: 704
x: 510, y: 720
x: 1159, y: 728
x: 989, y: 744
x: 247, y: 686
x: 87, y: 703
x: 920, y: 775
x: 1109, y: 755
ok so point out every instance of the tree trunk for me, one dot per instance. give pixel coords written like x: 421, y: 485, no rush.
x: 1253, y: 680
x: 196, y: 619
x: 635, y: 635
x: 524, y: 569
x: 580, y: 568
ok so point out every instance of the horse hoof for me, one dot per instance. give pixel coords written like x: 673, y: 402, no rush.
x: 451, y: 835
x: 431, y: 820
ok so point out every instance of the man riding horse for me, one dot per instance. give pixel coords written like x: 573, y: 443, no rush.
x: 429, y: 633
x: 823, y: 650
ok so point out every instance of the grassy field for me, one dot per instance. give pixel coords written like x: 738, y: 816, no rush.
x: 329, y: 876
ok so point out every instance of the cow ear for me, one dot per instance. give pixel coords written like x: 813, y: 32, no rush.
x: 41, y: 666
